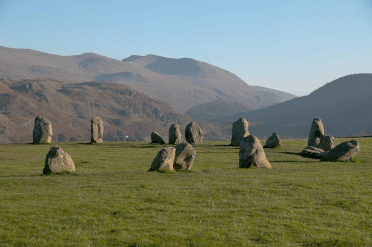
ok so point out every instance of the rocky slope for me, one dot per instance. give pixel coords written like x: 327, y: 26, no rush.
x: 70, y: 107
x: 184, y: 83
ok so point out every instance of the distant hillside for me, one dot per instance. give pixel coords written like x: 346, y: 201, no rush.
x: 217, y: 108
x: 184, y: 83
x: 70, y: 107
x: 272, y: 95
x: 344, y: 105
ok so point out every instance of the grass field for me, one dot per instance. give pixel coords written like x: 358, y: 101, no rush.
x: 112, y: 200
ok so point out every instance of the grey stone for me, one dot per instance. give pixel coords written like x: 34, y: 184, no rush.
x: 327, y: 143
x: 164, y: 159
x: 58, y: 160
x: 43, y: 132
x: 251, y: 153
x: 316, y: 132
x: 342, y: 152
x: 185, y: 155
x: 313, y: 152
x: 273, y: 141
x: 96, y: 135
x: 193, y: 133
x: 156, y: 138
x: 174, y: 134
x: 239, y: 131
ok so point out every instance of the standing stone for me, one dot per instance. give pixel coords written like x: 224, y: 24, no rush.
x: 327, y: 143
x: 239, y: 131
x: 251, y: 153
x: 273, y: 141
x: 156, y: 138
x: 193, y: 133
x: 185, y: 155
x: 42, y: 131
x: 342, y: 152
x: 58, y: 160
x: 96, y: 135
x: 174, y: 134
x: 316, y: 132
x: 164, y: 160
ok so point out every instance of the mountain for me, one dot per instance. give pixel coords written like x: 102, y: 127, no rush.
x: 70, y: 107
x: 272, y: 95
x: 214, y: 109
x: 184, y: 83
x: 344, y: 105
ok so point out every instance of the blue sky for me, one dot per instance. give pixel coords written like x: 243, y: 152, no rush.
x: 293, y: 46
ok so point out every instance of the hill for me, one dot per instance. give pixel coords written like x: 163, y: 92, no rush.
x: 344, y: 105
x: 70, y: 107
x: 184, y: 83
x: 217, y: 108
x: 272, y: 95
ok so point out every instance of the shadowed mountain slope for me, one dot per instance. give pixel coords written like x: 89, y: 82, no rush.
x: 217, y: 108
x: 70, y: 107
x: 183, y: 83
x: 344, y: 105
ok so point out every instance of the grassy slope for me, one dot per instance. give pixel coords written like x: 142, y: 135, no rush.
x: 113, y: 201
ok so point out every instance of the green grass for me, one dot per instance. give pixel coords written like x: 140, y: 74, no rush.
x: 112, y: 200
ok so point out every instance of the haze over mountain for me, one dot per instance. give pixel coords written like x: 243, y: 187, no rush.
x: 344, y: 105
x: 217, y: 108
x: 183, y: 83
x: 70, y: 107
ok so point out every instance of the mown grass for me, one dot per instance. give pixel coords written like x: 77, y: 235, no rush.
x: 112, y: 200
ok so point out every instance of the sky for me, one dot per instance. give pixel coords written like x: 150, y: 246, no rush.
x: 293, y: 46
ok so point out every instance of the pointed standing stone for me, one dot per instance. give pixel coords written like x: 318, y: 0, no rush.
x: 251, y: 153
x: 164, y: 159
x: 239, y: 131
x: 316, y: 132
x: 156, y: 138
x: 96, y: 130
x: 193, y: 133
x: 327, y: 143
x: 174, y: 134
x: 273, y: 141
x: 42, y: 131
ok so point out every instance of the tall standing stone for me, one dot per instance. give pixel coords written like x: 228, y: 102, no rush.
x: 316, y: 132
x: 273, y: 141
x: 193, y: 133
x: 174, y: 134
x: 185, y: 155
x: 96, y: 130
x: 239, y: 131
x: 251, y: 153
x: 156, y: 138
x: 327, y: 143
x: 58, y: 160
x: 42, y: 131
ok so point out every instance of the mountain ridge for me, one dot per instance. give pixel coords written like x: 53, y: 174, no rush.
x: 183, y: 82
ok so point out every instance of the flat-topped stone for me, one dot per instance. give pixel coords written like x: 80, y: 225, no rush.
x: 96, y: 135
